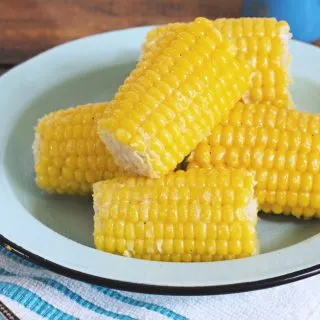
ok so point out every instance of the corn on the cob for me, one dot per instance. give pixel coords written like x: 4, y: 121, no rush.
x: 198, y: 215
x: 176, y: 95
x: 69, y: 156
x: 262, y: 42
x: 157, y: 34
x: 286, y: 164
x: 270, y: 116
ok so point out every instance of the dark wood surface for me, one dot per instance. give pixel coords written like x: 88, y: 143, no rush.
x: 3, y: 70
x: 28, y: 27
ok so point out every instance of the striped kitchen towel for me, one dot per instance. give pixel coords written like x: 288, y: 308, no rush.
x: 32, y: 292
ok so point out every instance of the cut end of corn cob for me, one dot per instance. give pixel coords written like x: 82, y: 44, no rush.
x: 127, y: 158
x: 198, y: 215
x: 172, y: 100
x: 68, y: 154
x: 36, y: 147
x: 286, y: 162
x: 264, y: 44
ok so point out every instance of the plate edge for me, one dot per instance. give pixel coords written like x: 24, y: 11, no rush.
x: 156, y: 289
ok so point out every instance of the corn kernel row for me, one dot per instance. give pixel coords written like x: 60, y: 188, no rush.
x: 69, y: 156
x: 262, y: 42
x: 286, y: 163
x: 172, y: 219
x: 179, y: 94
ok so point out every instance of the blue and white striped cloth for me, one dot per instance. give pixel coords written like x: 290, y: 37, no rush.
x: 35, y: 293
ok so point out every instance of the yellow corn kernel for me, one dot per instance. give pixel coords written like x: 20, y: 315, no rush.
x: 271, y: 116
x: 286, y: 162
x: 68, y: 154
x: 197, y: 237
x: 262, y: 42
x: 213, y: 82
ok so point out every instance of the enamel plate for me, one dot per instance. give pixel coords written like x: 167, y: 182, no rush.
x: 56, y: 231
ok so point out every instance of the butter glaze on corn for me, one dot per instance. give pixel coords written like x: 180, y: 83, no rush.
x: 69, y: 156
x: 262, y: 42
x: 172, y: 100
x: 286, y: 164
x: 198, y: 215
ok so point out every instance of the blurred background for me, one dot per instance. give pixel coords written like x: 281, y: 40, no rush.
x: 28, y: 27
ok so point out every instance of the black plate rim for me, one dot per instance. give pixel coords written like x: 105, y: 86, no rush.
x: 155, y: 289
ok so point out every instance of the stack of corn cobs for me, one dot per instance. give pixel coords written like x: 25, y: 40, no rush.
x: 198, y: 139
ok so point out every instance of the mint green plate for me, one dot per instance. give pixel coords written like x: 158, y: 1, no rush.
x: 57, y: 231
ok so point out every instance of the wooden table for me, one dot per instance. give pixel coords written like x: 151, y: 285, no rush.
x: 28, y: 27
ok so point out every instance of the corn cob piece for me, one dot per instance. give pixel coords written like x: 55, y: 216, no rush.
x: 157, y: 34
x: 69, y: 156
x: 270, y: 116
x: 286, y: 164
x: 262, y: 42
x: 198, y: 215
x: 179, y: 94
